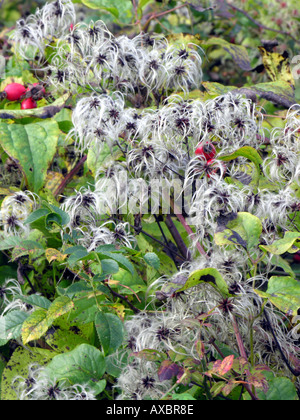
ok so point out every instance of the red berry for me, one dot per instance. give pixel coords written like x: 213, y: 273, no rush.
x: 207, y: 150
x: 14, y: 91
x: 297, y: 257
x: 28, y: 103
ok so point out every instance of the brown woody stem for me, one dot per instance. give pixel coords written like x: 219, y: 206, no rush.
x: 70, y: 176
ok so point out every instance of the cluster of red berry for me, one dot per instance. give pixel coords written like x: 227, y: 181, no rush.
x: 28, y: 96
x: 207, y: 150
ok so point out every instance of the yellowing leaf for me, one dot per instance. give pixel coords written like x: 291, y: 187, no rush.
x: 112, y: 282
x: 184, y: 40
x: 59, y: 307
x: 216, y: 89
x: 4, y: 191
x: 284, y: 293
x: 283, y: 245
x: 53, y: 180
x: 119, y: 309
x: 277, y: 66
x: 241, y: 229
x: 224, y: 366
x: 200, y: 348
x: 35, y: 326
x: 54, y: 255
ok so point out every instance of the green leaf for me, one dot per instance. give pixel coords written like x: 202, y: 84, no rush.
x: 53, y: 218
x: 119, y: 9
x: 10, y: 242
x: 278, y: 261
x: 64, y: 217
x: 64, y: 120
x: 35, y: 300
x: 284, y: 293
x: 74, y: 249
x: 208, y: 275
x: 225, y: 350
x: 242, y: 229
x: 36, y: 215
x: 183, y: 397
x: 119, y: 258
x: 152, y: 259
x: 238, y: 53
x: 7, y: 272
x: 76, y: 256
x: 33, y: 147
x: 80, y: 286
x: 110, y: 331
x: 142, y: 4
x: 280, y: 389
x: 85, y: 307
x: 128, y: 283
x: 11, y: 325
x: 247, y: 152
x: 109, y: 248
x: 109, y: 267
x: 114, y: 363
x: 84, y: 365
x: 284, y: 245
